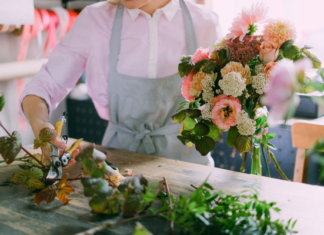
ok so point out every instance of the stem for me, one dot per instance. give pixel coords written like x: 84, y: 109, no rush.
x: 78, y: 177
x: 107, y: 225
x: 31, y: 155
x: 195, y: 187
x: 112, y: 183
x: 265, y: 161
x: 244, y: 156
x: 278, y: 167
x: 254, y: 162
x: 167, y: 191
x: 259, y: 164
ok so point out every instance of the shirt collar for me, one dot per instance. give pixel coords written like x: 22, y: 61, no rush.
x: 169, y: 10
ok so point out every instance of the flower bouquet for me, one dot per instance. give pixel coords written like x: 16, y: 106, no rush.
x: 226, y: 89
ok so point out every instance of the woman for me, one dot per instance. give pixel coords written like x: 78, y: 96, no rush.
x: 130, y: 50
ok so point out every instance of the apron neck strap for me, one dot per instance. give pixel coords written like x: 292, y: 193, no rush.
x: 117, y: 29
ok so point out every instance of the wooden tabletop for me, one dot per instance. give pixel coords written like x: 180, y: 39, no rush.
x: 19, y: 215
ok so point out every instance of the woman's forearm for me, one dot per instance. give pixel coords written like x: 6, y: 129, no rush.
x: 36, y: 112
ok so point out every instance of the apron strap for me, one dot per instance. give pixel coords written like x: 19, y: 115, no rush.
x: 117, y: 30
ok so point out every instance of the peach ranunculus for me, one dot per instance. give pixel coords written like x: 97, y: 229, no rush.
x: 196, y: 85
x: 224, y: 111
x: 186, y: 84
x: 260, y: 112
x: 269, y: 51
x: 201, y: 54
x: 268, y: 67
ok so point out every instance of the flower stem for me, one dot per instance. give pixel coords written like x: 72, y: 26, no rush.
x: 259, y: 164
x: 31, y: 155
x: 167, y: 191
x: 244, y: 156
x: 265, y: 161
x: 278, y: 167
x: 254, y: 162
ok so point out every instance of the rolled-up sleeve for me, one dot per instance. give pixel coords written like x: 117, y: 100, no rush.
x: 64, y: 67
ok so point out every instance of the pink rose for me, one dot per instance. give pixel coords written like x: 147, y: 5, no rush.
x: 260, y: 113
x: 225, y: 111
x: 186, y: 84
x: 269, y: 51
x: 201, y: 54
x: 268, y: 67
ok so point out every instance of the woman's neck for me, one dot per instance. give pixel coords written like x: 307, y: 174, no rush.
x: 153, y: 5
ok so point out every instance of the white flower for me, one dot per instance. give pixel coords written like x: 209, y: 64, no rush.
x: 245, y: 125
x: 260, y: 83
x: 258, y: 68
x: 207, y: 95
x: 232, y: 84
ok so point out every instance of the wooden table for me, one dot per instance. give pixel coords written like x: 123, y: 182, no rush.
x: 19, y: 215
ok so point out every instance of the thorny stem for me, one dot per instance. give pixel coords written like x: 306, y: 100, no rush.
x: 31, y: 155
x: 76, y: 178
x: 107, y: 225
x: 278, y: 167
x: 167, y: 191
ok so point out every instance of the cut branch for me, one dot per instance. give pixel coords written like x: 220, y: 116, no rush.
x: 31, y: 155
x: 167, y: 191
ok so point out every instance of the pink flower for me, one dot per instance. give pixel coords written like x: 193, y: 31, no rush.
x: 279, y: 31
x: 260, y: 112
x: 186, y: 84
x: 224, y: 111
x: 241, y: 24
x: 280, y: 92
x: 269, y: 51
x: 201, y: 54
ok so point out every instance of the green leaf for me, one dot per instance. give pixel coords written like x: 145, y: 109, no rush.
x: 179, y: 117
x: 192, y: 205
x: 189, y: 123
x: 98, y: 204
x: 231, y: 137
x: 35, y: 173
x: 264, y: 141
x: 89, y: 166
x: 85, y: 154
x: 316, y: 62
x: 290, y: 51
x: 185, y: 68
x: 98, y: 173
x: 10, y: 147
x: 199, y: 64
x: 259, y: 208
x: 182, y: 139
x: 272, y: 146
x: 243, y: 143
x: 96, y: 186
x: 186, y: 58
x: 20, y: 177
x: 286, y: 43
x: 270, y: 136
x: 201, y: 129
x: 293, y: 224
x: 213, y: 132
x: 194, y: 113
x: 46, y: 135
x: 2, y: 101
x: 24, y: 167
x: 34, y: 184
x: 133, y: 204
x: 141, y: 230
x: 205, y: 145
x: 200, y: 210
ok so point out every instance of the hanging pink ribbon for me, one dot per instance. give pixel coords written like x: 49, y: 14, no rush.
x: 63, y: 16
x: 51, y: 32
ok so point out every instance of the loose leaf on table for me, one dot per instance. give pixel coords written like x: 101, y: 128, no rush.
x: 10, y: 147
x: 48, y: 195
x: 33, y: 184
x: 20, y: 177
x: 231, y: 137
x: 63, y: 189
x: 46, y: 135
x: 141, y: 230
x: 2, y: 101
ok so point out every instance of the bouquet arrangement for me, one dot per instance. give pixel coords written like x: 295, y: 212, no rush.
x: 226, y: 89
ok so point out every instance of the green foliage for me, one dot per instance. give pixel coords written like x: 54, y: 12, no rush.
x: 191, y: 112
x: 243, y: 143
x: 185, y: 67
x: 316, y: 62
x: 231, y: 137
x: 141, y: 230
x: 253, y: 28
x: 204, y: 145
x: 10, y: 147
x: 46, y: 135
x: 224, y: 55
x: 34, y: 184
x: 2, y: 101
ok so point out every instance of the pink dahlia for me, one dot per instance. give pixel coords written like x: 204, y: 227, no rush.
x: 224, y: 111
x: 201, y: 54
x: 279, y: 31
x: 240, y: 26
x: 185, y: 89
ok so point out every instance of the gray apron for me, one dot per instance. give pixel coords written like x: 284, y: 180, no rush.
x: 140, y: 109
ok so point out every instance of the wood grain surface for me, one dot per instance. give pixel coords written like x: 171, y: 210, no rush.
x: 19, y: 214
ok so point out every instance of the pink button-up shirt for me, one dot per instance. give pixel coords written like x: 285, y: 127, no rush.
x: 151, y: 47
